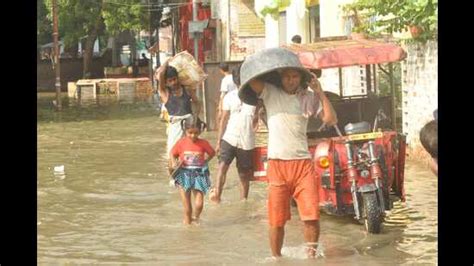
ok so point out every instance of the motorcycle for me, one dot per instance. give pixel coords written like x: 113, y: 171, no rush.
x: 361, y: 173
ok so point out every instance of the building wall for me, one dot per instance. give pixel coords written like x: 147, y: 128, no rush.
x: 212, y: 91
x: 220, y: 10
x: 166, y: 45
x: 242, y: 32
x: 419, y: 90
x: 246, y: 29
x: 71, y: 70
x: 332, y: 17
x: 332, y: 23
x: 272, y: 35
x: 296, y: 23
x: 297, y: 20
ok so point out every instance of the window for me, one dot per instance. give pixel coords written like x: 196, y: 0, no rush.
x: 314, y: 23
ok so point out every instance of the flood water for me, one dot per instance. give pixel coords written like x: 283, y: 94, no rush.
x: 111, y: 203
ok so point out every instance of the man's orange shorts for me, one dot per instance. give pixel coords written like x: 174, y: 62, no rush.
x: 292, y: 178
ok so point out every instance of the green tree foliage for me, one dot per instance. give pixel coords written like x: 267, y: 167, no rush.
x: 395, y: 16
x: 124, y: 15
x: 79, y: 19
x: 44, y: 29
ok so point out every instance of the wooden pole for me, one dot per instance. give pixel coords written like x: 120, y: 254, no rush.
x: 56, y: 55
x: 374, y: 70
x: 150, y: 61
x: 393, y: 93
x: 341, y: 93
x: 196, y: 46
x: 173, y: 48
x: 368, y: 78
x: 200, y: 89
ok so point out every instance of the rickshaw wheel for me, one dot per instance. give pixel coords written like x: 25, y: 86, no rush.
x: 373, y: 214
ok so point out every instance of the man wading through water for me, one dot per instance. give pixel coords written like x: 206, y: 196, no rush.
x: 178, y: 101
x: 289, y: 104
x: 235, y: 139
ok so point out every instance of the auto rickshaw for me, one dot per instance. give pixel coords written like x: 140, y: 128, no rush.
x: 360, y: 164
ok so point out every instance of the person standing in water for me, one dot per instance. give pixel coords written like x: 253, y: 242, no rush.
x: 178, y: 102
x: 227, y: 85
x: 290, y: 169
x: 236, y: 139
x: 188, y: 158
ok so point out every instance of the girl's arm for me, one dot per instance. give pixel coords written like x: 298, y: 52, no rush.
x: 174, y: 156
x: 172, y: 163
x: 209, y: 151
x: 209, y: 157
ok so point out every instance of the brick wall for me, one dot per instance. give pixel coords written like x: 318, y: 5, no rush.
x: 419, y: 92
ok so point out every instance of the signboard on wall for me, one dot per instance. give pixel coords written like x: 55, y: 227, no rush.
x: 197, y: 26
x: 249, y: 23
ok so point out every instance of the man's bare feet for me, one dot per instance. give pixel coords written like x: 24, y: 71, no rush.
x: 213, y: 196
x: 311, y: 249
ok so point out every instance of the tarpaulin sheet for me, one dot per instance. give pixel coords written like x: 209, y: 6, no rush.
x: 343, y: 53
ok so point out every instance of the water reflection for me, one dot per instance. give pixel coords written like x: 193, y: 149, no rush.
x: 95, y: 108
x: 114, y: 204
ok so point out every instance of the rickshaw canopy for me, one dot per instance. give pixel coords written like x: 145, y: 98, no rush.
x: 347, y: 52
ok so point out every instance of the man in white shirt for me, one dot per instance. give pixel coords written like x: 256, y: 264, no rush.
x: 290, y: 170
x: 227, y: 85
x: 236, y: 139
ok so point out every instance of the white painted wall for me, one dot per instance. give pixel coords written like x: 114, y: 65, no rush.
x: 332, y: 17
x: 272, y: 36
x: 333, y: 23
x: 419, y: 88
x: 297, y: 20
x: 223, y: 14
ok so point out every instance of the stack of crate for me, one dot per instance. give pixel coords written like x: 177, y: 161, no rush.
x: 126, y: 91
x: 86, y: 89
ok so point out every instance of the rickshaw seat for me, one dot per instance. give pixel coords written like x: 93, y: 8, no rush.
x: 357, y: 128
